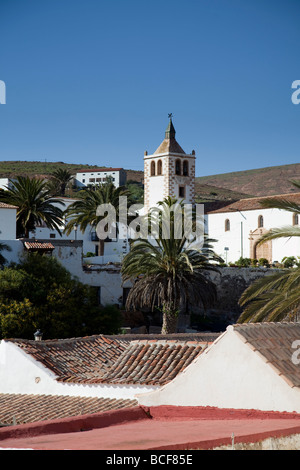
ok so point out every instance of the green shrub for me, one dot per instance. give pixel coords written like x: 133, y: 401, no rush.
x: 264, y: 262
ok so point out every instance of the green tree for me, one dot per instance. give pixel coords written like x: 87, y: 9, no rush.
x: 40, y: 293
x: 136, y: 191
x: 60, y: 179
x: 169, y: 272
x: 83, y: 212
x: 275, y: 297
x: 35, y: 205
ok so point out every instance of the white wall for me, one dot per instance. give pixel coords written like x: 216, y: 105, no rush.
x: 6, y: 182
x: 83, y: 179
x: 227, y: 375
x: 114, y: 251
x: 8, y: 224
x: 107, y: 277
x: 237, y: 239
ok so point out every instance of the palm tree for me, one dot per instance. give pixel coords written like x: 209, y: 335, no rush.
x: 83, y: 212
x: 60, y: 178
x: 35, y: 205
x: 168, y: 272
x: 275, y: 297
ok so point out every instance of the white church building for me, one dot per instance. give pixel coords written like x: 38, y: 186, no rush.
x: 238, y: 226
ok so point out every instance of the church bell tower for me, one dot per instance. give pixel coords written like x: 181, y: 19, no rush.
x: 169, y: 171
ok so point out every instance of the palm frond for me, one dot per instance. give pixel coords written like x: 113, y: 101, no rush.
x: 280, y: 232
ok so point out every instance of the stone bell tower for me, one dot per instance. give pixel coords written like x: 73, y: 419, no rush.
x: 169, y: 171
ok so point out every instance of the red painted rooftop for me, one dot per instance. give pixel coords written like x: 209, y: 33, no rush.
x: 98, y: 170
x: 158, y: 428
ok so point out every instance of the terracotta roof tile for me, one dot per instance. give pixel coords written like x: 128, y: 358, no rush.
x: 77, y: 359
x: 273, y: 341
x: 3, y: 205
x: 38, y: 246
x: 21, y: 409
x: 152, y: 363
x: 98, y: 170
x: 253, y: 203
x: 115, y: 360
x: 169, y: 146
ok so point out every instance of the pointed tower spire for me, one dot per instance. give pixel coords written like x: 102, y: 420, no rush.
x: 169, y: 144
x: 170, y: 131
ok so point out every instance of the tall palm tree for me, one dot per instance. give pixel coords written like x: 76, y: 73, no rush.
x: 35, y: 205
x: 83, y: 212
x: 168, y: 272
x: 275, y: 297
x: 60, y: 178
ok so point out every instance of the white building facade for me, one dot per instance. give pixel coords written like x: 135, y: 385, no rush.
x: 97, y: 176
x: 8, y: 228
x: 238, y: 226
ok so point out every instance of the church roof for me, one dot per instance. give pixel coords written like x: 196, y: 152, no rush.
x: 253, y: 203
x: 169, y: 144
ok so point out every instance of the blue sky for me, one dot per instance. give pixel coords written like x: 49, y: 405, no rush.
x: 93, y: 81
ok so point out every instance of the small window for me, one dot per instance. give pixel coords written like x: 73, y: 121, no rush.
x: 295, y: 219
x: 92, y: 180
x: 152, y: 168
x: 260, y: 221
x: 52, y: 235
x: 83, y: 180
x: 227, y: 225
x: 178, y: 167
x: 159, y: 167
x: 181, y: 191
x: 185, y: 168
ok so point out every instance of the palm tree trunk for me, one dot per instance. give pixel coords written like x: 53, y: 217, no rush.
x: 170, y: 319
x: 101, y: 247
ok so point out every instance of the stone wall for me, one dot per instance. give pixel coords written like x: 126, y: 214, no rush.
x: 230, y: 283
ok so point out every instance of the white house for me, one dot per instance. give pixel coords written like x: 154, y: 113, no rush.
x: 250, y: 366
x: 100, y: 175
x: 238, y: 226
x: 8, y: 215
x: 114, y: 248
x: 96, y: 366
x: 6, y: 183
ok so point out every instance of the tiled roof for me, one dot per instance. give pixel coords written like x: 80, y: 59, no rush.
x: 98, y: 170
x: 253, y: 203
x: 75, y: 360
x: 169, y: 146
x: 21, y: 409
x: 274, y: 341
x: 104, y: 359
x: 153, y: 362
x: 38, y: 246
x: 3, y: 205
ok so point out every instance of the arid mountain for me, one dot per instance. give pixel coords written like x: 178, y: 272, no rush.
x: 260, y: 182
x: 227, y: 186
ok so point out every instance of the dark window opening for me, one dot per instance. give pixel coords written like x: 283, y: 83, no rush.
x: 185, y: 168
x: 181, y: 191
